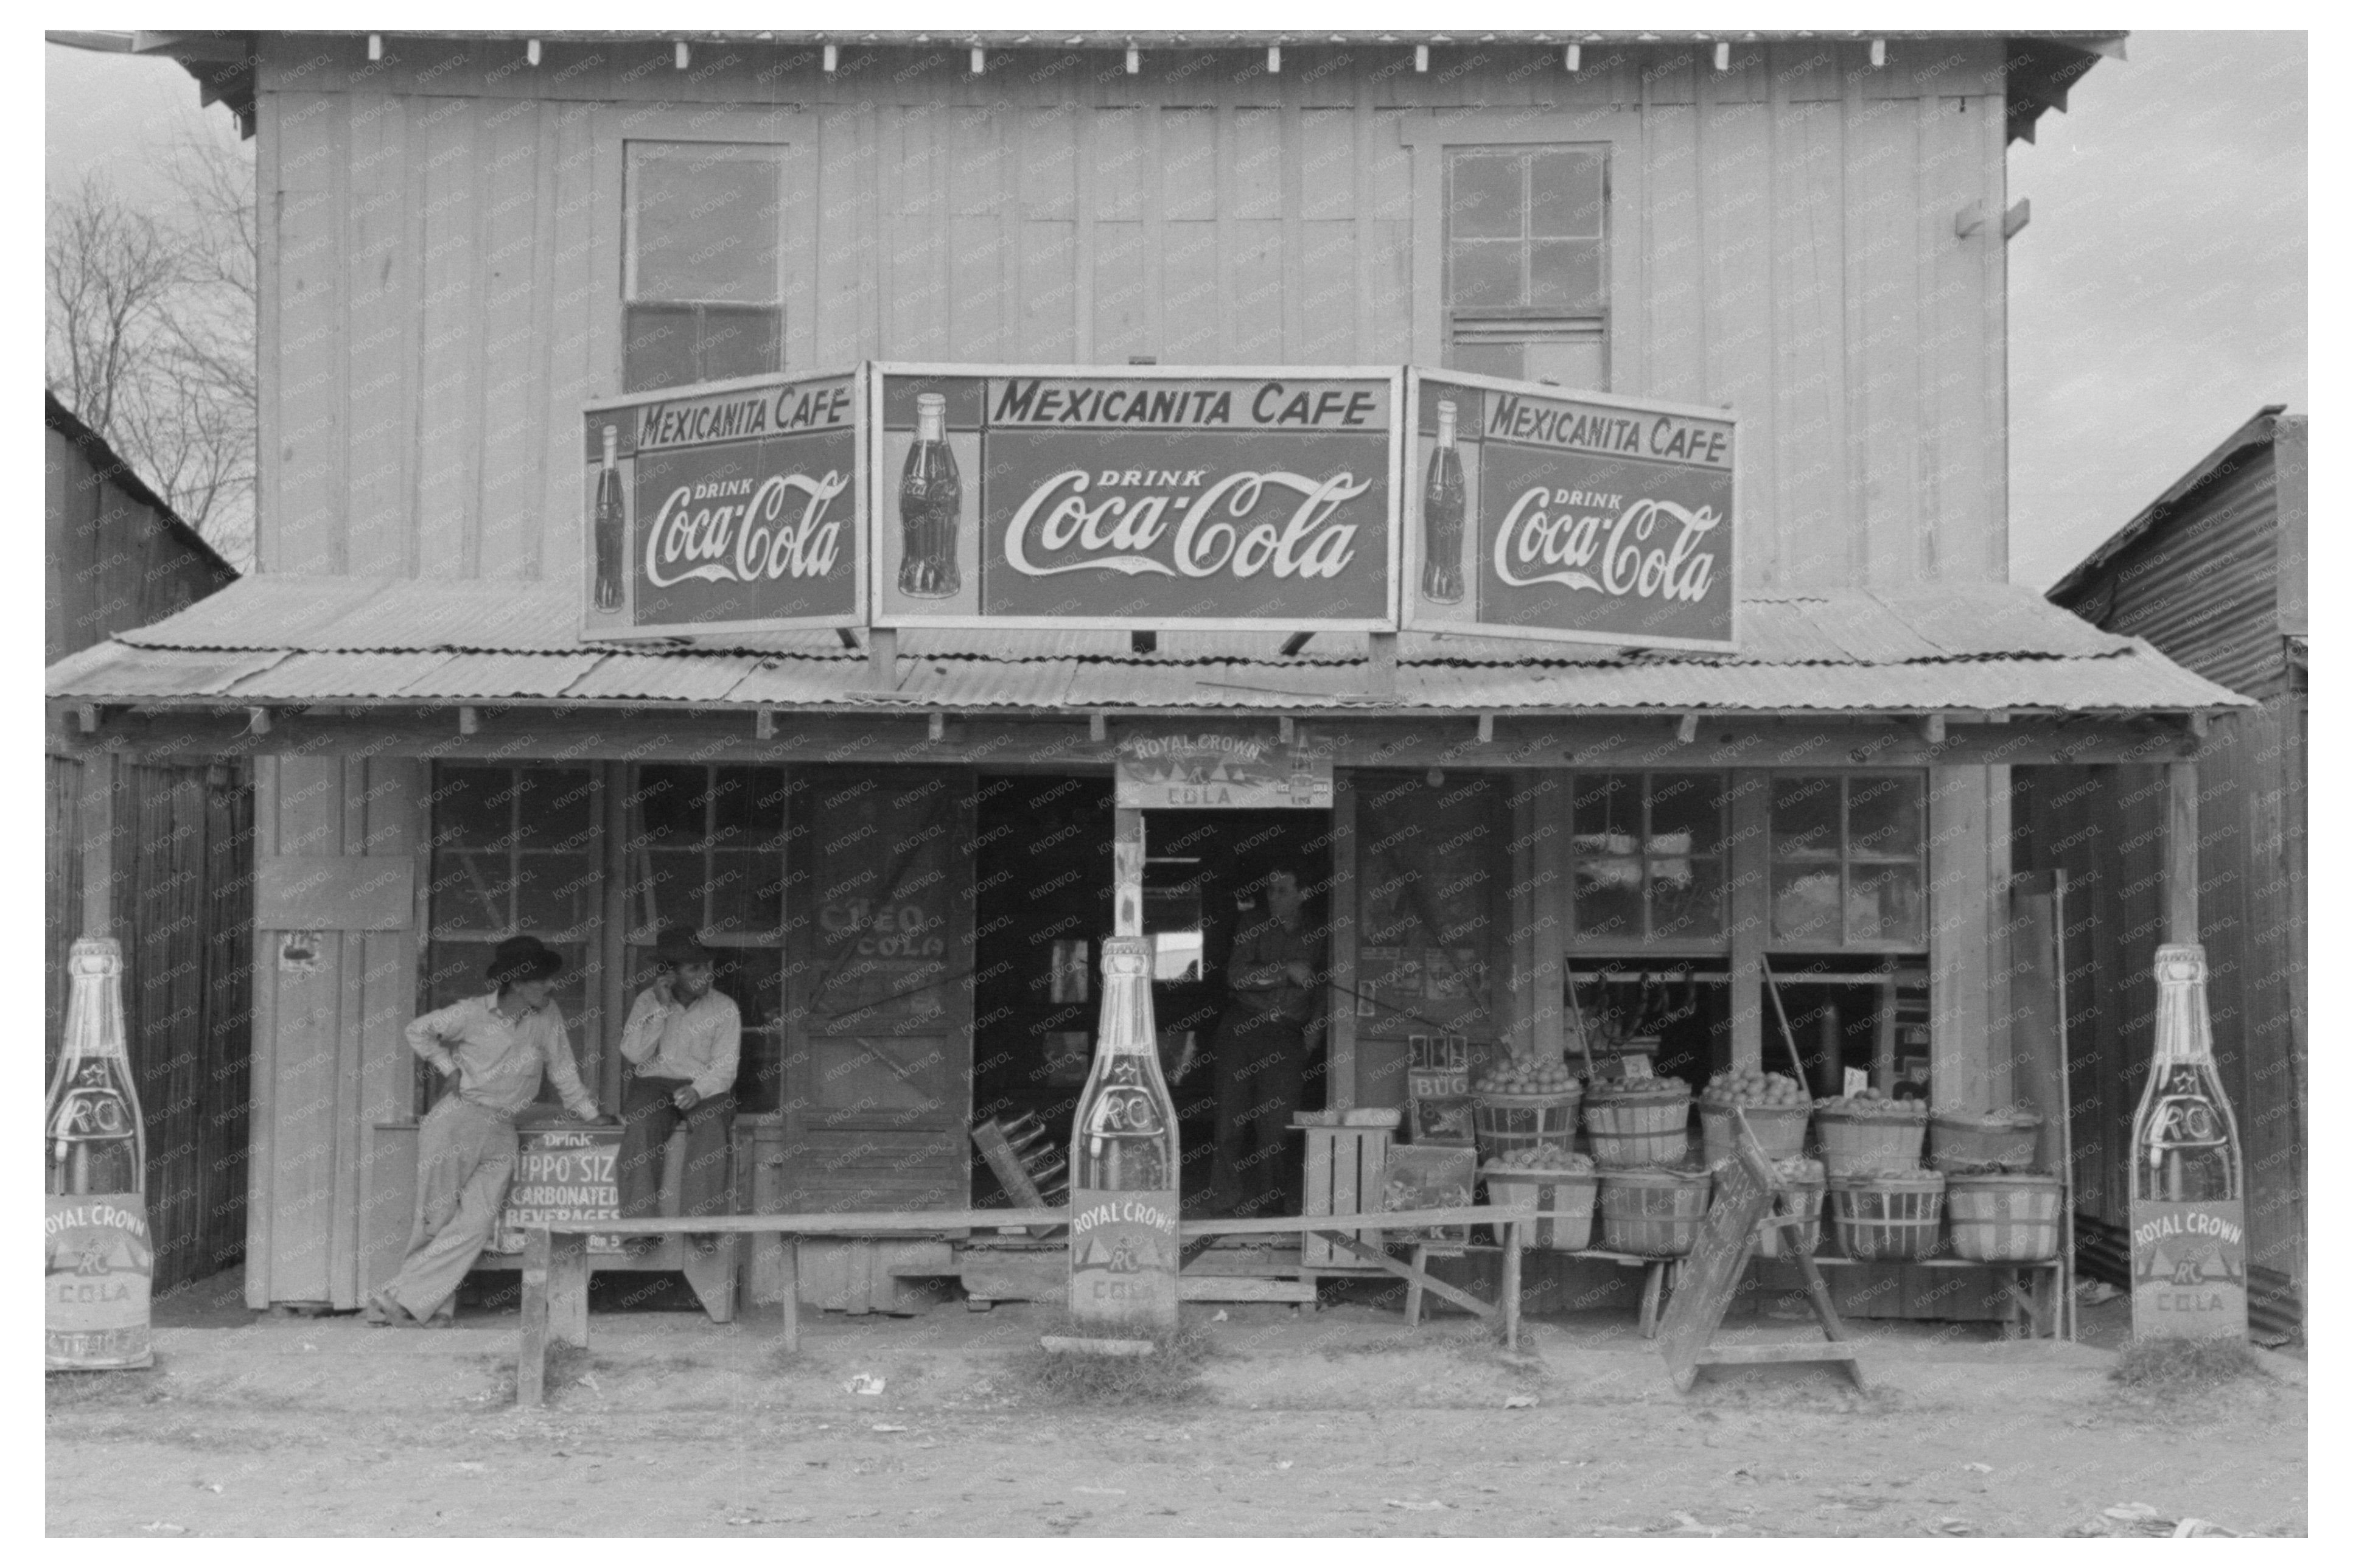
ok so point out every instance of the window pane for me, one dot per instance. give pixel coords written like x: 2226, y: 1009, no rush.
x: 472, y: 890
x: 669, y: 889
x: 707, y: 228
x: 1483, y: 272
x: 748, y: 807
x: 1487, y: 197
x: 1882, y: 817
x: 1486, y: 359
x: 555, y: 892
x: 1609, y: 899
x: 1806, y: 817
x: 670, y: 803
x: 471, y: 806
x: 1686, y: 813
x: 1883, y: 903
x: 1686, y: 900
x: 657, y: 346
x: 1805, y: 904
x: 732, y: 341
x: 1565, y: 274
x: 1565, y: 193
x: 746, y: 891
x: 1607, y: 804
x: 556, y: 810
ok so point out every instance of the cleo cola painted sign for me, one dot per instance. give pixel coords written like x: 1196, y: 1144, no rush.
x: 728, y: 507
x: 1539, y: 513
x: 1151, y: 496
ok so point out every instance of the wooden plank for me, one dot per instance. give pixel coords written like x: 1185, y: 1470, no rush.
x: 1745, y: 1191
x: 1243, y: 1288
x: 531, y: 1353
x: 1767, y: 1355
x: 1340, y: 1045
x: 1739, y: 226
x: 2181, y: 852
x: 332, y: 892
x: 1415, y: 1274
x: 1962, y: 1032
x: 1748, y: 857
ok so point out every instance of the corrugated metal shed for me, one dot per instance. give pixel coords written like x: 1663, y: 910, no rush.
x: 294, y: 639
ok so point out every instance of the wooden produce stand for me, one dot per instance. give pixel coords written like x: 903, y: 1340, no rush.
x: 1746, y: 1192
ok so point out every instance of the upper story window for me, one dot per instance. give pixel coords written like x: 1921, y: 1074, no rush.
x: 1649, y: 850
x: 702, y: 280
x: 1526, y: 288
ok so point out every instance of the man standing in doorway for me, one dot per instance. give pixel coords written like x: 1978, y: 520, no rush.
x: 681, y: 1042
x: 1276, y: 976
x: 496, y: 1046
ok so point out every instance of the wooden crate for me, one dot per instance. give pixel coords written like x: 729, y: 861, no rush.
x: 1344, y: 1168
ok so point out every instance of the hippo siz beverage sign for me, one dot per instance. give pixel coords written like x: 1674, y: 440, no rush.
x: 1575, y: 517
x: 1151, y: 496
x: 732, y: 505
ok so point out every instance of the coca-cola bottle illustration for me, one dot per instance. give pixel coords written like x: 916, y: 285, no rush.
x: 2188, y: 1209
x: 1441, y: 517
x: 99, y: 1260
x: 1123, y: 1166
x: 930, y: 495
x: 612, y: 527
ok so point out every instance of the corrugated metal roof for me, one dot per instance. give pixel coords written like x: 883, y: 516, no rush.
x: 291, y: 639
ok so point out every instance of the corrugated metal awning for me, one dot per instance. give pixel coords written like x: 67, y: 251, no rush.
x: 304, y: 640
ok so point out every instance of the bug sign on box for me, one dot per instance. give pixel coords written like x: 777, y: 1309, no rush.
x: 1568, y: 516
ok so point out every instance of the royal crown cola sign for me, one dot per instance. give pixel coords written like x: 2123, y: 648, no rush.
x: 2189, y: 1206
x: 732, y: 505
x: 1147, y: 497
x: 1568, y: 516
x: 1123, y: 1165
x: 99, y: 1260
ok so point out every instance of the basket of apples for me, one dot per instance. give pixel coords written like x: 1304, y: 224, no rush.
x: 1775, y: 1105
x: 1524, y: 1102
x: 1867, y: 1131
x: 1561, y: 1186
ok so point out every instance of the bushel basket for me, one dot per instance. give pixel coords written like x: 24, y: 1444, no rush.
x: 2003, y: 1218
x: 1562, y: 1199
x: 1857, y: 1145
x: 1805, y: 1201
x: 1882, y: 1219
x: 1780, y: 1129
x: 1630, y: 1131
x: 1653, y: 1213
x: 1502, y: 1122
x: 1966, y: 1143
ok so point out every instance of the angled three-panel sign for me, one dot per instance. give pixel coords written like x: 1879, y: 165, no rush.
x: 1293, y: 499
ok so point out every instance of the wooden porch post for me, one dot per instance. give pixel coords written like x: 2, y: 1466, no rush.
x: 1340, y: 1023
x: 2180, y: 852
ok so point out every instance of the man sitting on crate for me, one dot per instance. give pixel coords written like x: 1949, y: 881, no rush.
x: 680, y: 1043
x: 1276, y: 977
x: 496, y: 1046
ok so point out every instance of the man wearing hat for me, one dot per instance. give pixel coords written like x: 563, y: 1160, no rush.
x: 496, y: 1046
x: 680, y: 1041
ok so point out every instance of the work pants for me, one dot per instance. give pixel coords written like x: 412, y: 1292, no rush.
x: 464, y: 1160
x: 1260, y: 1056
x: 647, y: 1117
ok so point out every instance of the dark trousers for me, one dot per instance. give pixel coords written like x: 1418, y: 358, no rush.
x: 647, y: 1117
x: 1261, y: 1058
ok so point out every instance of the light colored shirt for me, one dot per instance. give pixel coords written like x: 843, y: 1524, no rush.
x: 499, y: 1063
x: 1259, y: 971
x: 698, y: 1043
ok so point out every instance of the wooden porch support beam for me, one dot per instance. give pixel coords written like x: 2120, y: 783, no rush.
x: 1751, y: 908
x: 2181, y: 852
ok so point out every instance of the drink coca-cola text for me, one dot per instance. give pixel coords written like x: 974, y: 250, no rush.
x: 1213, y: 531
x: 742, y: 531
x: 1606, y: 544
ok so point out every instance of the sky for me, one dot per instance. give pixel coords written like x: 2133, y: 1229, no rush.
x: 2157, y: 299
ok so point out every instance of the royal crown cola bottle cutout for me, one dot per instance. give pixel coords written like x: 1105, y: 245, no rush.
x: 1123, y: 1165
x: 2188, y: 1208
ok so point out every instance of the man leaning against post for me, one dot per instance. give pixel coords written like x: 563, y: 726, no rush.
x: 681, y: 1042
x: 497, y: 1047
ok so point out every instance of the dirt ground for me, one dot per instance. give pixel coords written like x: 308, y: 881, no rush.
x: 1336, y: 1423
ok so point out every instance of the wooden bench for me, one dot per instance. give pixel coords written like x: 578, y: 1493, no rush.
x: 555, y: 1260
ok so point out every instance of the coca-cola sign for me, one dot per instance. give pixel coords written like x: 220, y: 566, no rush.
x: 732, y: 507
x: 1581, y: 518
x: 1144, y: 497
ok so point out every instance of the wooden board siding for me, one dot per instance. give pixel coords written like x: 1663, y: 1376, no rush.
x: 112, y: 562
x: 443, y: 287
x: 2102, y: 827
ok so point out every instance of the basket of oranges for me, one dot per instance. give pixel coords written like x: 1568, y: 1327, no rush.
x: 1523, y: 1102
x: 1775, y: 1104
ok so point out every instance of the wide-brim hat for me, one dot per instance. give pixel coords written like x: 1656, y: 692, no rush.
x: 677, y: 945
x: 523, y: 958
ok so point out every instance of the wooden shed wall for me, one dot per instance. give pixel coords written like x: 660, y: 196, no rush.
x: 441, y: 274
x: 113, y: 562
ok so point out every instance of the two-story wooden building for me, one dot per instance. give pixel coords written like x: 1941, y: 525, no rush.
x: 467, y: 239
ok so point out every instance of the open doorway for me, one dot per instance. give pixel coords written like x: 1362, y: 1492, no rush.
x: 1042, y: 883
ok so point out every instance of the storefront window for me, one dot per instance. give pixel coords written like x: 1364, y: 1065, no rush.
x: 706, y: 849
x: 1648, y: 851
x: 701, y: 282
x: 1848, y: 860
x: 1526, y: 296
x: 515, y: 852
